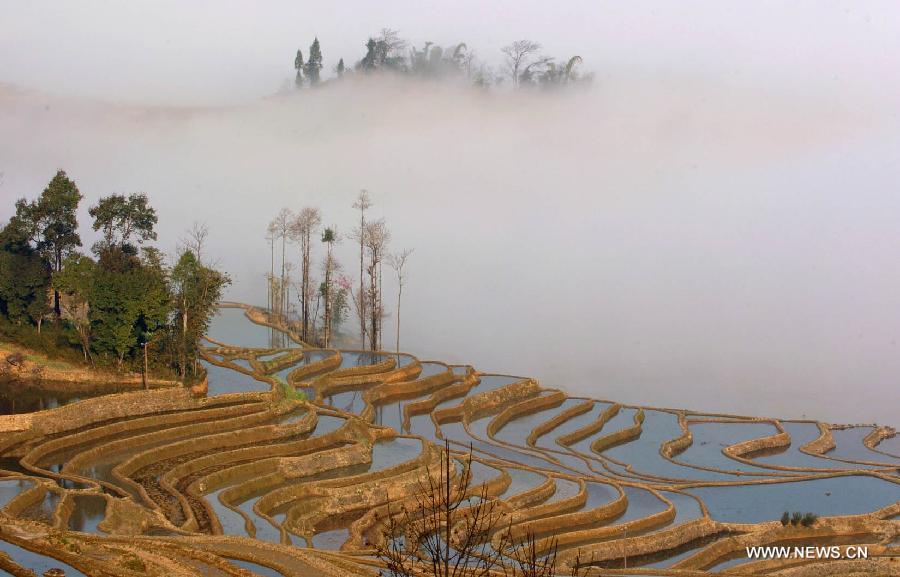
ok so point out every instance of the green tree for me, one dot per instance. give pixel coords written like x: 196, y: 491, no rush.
x: 195, y: 291
x: 122, y: 218
x: 75, y: 282
x: 129, y: 302
x: 24, y: 276
x: 298, y: 66
x: 314, y: 63
x: 340, y: 68
x: 51, y: 223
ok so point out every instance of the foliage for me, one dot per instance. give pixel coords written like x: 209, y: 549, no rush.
x: 128, y: 305
x: 314, y: 63
x: 76, y: 282
x: 298, y: 66
x: 195, y: 291
x: 51, y: 221
x: 785, y: 519
x: 125, y: 300
x: 24, y: 276
x: 796, y: 518
x: 120, y: 218
x: 809, y: 519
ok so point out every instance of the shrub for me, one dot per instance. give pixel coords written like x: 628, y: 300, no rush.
x: 809, y: 519
x: 796, y: 517
x: 785, y: 519
x: 290, y: 393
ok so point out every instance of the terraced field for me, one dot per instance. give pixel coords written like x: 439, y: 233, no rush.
x: 239, y: 479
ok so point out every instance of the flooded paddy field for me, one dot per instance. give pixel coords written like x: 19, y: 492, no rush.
x: 290, y: 479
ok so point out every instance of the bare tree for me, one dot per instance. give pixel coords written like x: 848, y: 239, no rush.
x: 363, y: 203
x: 376, y: 236
x: 195, y: 239
x: 271, y: 236
x: 398, y: 262
x: 302, y: 229
x: 447, y: 530
x: 282, y: 225
x: 518, y: 55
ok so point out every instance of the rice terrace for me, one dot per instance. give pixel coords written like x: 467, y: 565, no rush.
x: 235, y: 475
x: 508, y: 289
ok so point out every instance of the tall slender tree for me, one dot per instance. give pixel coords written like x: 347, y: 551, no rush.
x: 340, y: 68
x: 362, y: 204
x: 329, y: 237
x: 377, y: 237
x: 314, y: 63
x: 298, y: 66
x: 282, y: 227
x: 398, y: 262
x: 302, y: 228
x: 271, y: 237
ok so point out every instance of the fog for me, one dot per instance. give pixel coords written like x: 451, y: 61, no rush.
x: 674, y: 236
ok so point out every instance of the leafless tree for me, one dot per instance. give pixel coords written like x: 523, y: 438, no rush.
x: 195, y: 239
x: 518, y: 55
x: 398, y: 262
x: 444, y: 532
x: 282, y: 226
x: 363, y: 203
x: 447, y: 529
x: 271, y: 236
x: 301, y: 230
x: 376, y: 236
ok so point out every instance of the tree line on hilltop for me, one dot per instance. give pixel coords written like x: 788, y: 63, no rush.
x: 523, y: 66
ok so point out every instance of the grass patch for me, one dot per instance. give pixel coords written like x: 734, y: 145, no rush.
x: 289, y: 392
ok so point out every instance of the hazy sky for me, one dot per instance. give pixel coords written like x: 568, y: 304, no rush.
x: 713, y: 225
x: 213, y: 51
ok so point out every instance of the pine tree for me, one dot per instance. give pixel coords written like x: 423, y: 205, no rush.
x: 298, y: 66
x: 340, y: 68
x: 314, y: 64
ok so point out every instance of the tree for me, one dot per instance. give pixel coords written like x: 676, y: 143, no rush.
x: 271, y: 236
x: 24, y: 275
x: 120, y: 218
x: 301, y: 230
x: 446, y: 531
x: 314, y: 64
x: 51, y: 223
x: 195, y: 239
x: 76, y: 282
x: 518, y: 55
x: 281, y: 227
x: 195, y: 290
x: 340, y: 68
x: 397, y: 262
x: 362, y: 204
x: 377, y: 236
x: 298, y: 66
x: 329, y: 237
x: 130, y: 300
x: 384, y: 52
